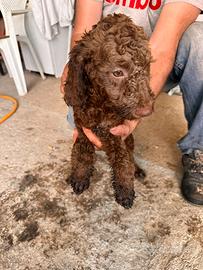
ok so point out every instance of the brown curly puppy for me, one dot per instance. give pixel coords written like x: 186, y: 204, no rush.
x: 108, y: 82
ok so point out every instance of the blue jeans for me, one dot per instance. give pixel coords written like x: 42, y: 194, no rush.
x: 70, y: 117
x: 188, y: 73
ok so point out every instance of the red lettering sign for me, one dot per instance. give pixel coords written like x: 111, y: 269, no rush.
x: 138, y: 4
x: 156, y: 5
x: 132, y: 3
x: 117, y: 2
x: 141, y: 4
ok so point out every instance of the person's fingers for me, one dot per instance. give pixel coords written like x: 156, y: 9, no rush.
x: 125, y: 129
x: 75, y: 134
x: 92, y: 137
x: 132, y: 124
x: 121, y: 130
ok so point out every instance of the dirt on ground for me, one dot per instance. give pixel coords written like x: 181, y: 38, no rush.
x: 44, y: 225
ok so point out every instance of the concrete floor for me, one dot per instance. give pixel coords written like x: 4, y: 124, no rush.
x: 43, y: 225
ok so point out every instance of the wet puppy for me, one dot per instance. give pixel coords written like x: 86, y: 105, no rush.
x: 108, y: 82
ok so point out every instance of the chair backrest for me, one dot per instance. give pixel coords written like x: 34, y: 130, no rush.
x: 6, y: 6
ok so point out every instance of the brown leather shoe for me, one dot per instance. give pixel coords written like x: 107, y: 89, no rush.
x: 192, y: 182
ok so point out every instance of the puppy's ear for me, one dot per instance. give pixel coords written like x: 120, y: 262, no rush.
x: 78, y: 83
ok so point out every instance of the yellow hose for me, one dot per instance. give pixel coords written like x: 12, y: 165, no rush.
x: 13, y: 109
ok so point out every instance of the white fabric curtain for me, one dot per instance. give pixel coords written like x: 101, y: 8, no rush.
x: 49, y: 15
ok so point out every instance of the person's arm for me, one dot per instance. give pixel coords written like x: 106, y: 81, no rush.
x: 172, y: 23
x: 87, y: 13
x: 174, y: 19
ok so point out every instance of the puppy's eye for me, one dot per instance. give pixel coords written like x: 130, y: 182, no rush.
x: 118, y: 73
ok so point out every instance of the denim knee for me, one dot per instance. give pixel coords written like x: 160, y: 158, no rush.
x: 190, y: 49
x: 188, y: 69
x: 188, y: 58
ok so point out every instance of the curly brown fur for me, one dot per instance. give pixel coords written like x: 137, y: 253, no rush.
x: 108, y: 82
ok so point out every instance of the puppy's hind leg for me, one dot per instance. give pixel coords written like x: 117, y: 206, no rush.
x: 123, y: 181
x: 139, y: 173
x: 122, y: 167
x: 83, y: 159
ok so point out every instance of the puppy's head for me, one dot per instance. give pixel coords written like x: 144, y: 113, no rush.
x: 112, y: 63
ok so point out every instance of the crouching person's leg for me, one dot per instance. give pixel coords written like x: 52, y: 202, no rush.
x: 188, y: 71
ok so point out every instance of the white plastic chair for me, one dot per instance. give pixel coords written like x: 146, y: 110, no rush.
x: 18, y: 12
x: 13, y: 14
x: 10, y: 52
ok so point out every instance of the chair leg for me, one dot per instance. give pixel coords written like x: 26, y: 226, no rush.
x: 15, y: 69
x: 1, y: 68
x: 7, y: 66
x: 16, y: 55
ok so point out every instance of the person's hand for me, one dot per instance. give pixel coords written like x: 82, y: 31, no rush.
x: 63, y: 79
x: 90, y: 135
x: 75, y: 134
x: 123, y: 131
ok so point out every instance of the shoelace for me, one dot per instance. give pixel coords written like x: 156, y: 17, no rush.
x: 194, y: 162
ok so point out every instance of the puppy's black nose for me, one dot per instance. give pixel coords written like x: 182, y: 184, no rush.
x: 144, y: 111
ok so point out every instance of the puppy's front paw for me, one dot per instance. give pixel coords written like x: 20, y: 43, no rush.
x: 124, y: 196
x: 78, y: 185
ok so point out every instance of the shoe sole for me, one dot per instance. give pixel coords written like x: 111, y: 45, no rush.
x: 192, y: 200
